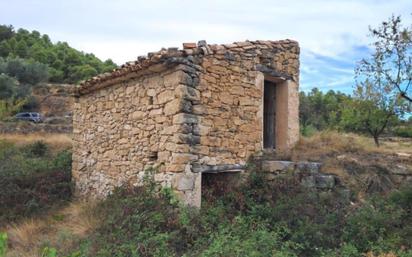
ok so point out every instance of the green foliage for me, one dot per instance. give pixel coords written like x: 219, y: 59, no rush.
x: 36, y: 149
x: 383, y: 90
x: 8, y: 86
x: 376, y: 226
x: 32, y: 179
x: 3, y: 244
x: 405, y: 131
x: 308, y: 130
x: 365, y: 116
x: 25, y: 71
x: 49, y: 252
x: 258, y: 218
x: 320, y: 111
x: 16, y: 79
x: 63, y: 63
x: 6, y: 32
x: 10, y: 107
x: 366, y: 112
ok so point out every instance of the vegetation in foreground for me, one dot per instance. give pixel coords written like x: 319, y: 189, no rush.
x: 256, y: 218
x: 32, y: 179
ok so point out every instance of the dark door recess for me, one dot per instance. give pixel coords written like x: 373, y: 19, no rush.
x: 269, y: 115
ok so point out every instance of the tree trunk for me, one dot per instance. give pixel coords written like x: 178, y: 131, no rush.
x: 376, y: 139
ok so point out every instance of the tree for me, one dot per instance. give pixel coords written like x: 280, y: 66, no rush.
x: 26, y: 72
x: 393, y: 42
x: 321, y: 111
x: 6, y: 32
x: 21, y: 49
x: 8, y: 87
x: 365, y: 116
x: 65, y: 64
x: 377, y: 106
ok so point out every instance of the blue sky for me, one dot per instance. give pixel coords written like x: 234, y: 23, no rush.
x: 332, y: 34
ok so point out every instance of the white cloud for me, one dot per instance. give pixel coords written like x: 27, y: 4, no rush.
x: 124, y: 29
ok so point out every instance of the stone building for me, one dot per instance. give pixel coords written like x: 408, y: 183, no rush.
x: 187, y: 112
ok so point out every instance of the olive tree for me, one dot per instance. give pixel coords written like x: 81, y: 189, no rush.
x: 383, y: 90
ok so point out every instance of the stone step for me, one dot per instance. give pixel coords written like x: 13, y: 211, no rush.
x: 283, y: 166
x: 321, y: 181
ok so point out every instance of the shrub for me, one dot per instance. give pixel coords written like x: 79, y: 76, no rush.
x: 258, y: 218
x: 36, y: 149
x: 403, y: 131
x: 3, y: 244
x: 32, y: 180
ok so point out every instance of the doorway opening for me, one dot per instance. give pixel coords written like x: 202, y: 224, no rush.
x: 269, y: 115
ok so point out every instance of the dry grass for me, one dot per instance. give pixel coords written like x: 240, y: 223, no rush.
x: 55, y: 141
x: 331, y: 143
x: 356, y: 160
x: 61, y: 229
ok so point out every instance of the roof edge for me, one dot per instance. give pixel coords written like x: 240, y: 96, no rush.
x: 155, y: 61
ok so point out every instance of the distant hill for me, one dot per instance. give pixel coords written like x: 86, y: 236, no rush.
x: 64, y: 63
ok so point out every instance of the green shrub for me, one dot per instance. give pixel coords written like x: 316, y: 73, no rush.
x: 403, y: 131
x: 308, y: 130
x: 49, y: 252
x: 258, y: 218
x: 3, y: 244
x: 32, y: 180
x: 36, y: 149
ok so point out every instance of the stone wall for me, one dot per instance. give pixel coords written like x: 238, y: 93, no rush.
x: 231, y: 102
x: 176, y: 109
x: 122, y: 130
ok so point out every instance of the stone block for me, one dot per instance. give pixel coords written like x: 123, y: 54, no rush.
x: 189, y: 45
x: 186, y: 92
x: 183, y: 158
x: 137, y: 115
x: 151, y: 92
x: 308, y: 181
x: 185, y: 139
x: 182, y: 118
x: 175, y: 167
x: 199, y: 109
x: 165, y: 97
x: 309, y: 167
x: 155, y: 112
x: 325, y: 181
x: 201, y: 130
x: 276, y: 166
x: 177, y: 105
x: 175, y: 78
x: 177, y: 148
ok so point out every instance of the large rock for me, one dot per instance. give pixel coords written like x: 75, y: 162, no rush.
x: 276, y: 166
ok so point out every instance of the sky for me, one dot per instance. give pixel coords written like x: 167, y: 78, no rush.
x: 333, y: 35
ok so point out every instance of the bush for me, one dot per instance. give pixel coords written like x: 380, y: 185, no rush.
x: 36, y: 149
x: 308, y: 130
x: 32, y: 180
x: 259, y: 218
x: 3, y: 244
x: 404, y: 131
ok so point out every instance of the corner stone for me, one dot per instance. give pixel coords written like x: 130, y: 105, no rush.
x: 185, y: 118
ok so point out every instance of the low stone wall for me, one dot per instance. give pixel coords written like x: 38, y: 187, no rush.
x: 309, y: 173
x: 29, y: 128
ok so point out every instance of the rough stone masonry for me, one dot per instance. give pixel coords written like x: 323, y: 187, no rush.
x: 184, y: 112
